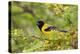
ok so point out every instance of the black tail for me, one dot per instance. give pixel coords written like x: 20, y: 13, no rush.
x: 63, y: 31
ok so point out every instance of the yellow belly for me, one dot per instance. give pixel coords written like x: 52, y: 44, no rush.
x: 47, y: 33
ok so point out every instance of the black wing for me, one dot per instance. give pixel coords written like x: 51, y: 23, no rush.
x: 54, y: 28
x: 50, y: 28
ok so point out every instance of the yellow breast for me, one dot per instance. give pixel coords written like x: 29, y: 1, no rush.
x: 48, y: 33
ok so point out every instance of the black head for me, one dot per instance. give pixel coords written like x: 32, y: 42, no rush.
x: 40, y: 24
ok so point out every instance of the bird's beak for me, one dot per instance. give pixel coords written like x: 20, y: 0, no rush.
x: 37, y: 23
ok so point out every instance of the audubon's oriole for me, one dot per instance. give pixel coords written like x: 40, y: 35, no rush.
x: 47, y: 29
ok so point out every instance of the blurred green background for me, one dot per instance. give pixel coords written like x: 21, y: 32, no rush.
x: 25, y: 34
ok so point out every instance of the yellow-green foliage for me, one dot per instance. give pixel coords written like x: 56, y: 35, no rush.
x: 26, y: 36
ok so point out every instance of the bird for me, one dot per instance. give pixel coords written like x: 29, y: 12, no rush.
x: 47, y: 29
